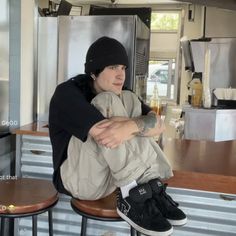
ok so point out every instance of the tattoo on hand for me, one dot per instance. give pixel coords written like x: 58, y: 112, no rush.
x: 145, y: 123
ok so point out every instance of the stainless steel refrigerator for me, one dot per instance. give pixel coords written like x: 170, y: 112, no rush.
x: 64, y: 41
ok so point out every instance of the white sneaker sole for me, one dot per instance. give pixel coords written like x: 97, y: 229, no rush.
x: 142, y: 230
x: 178, y: 222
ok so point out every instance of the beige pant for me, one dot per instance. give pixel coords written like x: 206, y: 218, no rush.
x: 92, y: 171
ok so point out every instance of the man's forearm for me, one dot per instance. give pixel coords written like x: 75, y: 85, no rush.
x: 146, y: 123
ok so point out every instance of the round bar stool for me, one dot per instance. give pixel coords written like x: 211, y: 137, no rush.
x: 103, y: 210
x: 27, y: 197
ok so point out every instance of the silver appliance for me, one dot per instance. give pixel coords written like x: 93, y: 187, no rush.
x: 64, y: 41
x: 207, y: 123
x: 222, y: 62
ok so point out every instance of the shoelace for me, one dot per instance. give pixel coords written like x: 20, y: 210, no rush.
x: 167, y: 197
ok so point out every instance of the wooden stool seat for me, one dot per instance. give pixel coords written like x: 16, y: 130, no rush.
x: 103, y: 209
x: 26, y: 197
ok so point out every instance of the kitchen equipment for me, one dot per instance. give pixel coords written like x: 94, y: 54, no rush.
x: 215, y: 59
x: 220, y: 54
x: 224, y: 98
x: 209, y: 124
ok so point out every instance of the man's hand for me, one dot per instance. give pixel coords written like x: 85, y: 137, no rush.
x: 113, y: 132
x: 157, y: 130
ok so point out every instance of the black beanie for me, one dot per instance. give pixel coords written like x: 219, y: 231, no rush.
x: 105, y: 52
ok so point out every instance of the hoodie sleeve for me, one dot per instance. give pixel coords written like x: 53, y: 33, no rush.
x: 70, y: 110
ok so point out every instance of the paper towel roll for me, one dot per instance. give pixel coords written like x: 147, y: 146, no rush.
x: 206, y: 80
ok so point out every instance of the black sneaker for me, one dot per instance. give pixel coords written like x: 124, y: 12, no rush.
x: 139, y: 210
x: 167, y: 206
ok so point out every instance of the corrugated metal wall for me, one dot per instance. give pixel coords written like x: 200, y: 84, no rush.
x: 208, y: 213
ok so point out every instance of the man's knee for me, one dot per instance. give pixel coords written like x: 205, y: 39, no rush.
x: 109, y: 104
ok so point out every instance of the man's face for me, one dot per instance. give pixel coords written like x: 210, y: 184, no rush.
x: 111, y: 79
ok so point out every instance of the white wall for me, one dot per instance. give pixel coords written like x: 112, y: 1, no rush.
x: 27, y: 61
x: 220, y: 22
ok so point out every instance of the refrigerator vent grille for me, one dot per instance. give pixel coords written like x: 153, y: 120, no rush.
x: 141, y: 65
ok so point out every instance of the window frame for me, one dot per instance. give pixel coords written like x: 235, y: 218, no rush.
x: 155, y: 56
x: 170, y: 70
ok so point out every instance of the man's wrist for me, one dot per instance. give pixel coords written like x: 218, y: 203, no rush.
x: 145, y: 123
x: 139, y: 126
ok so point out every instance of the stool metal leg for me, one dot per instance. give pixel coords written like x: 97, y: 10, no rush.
x: 34, y: 226
x: 11, y: 226
x: 132, y: 231
x: 3, y: 220
x: 83, y: 226
x: 50, y: 225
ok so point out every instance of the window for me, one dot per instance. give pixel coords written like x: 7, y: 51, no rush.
x: 163, y: 61
x: 161, y: 73
x: 165, y: 21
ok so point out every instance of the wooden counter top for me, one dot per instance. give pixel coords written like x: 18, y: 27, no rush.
x: 37, y: 128
x: 202, y: 165
x: 202, y: 156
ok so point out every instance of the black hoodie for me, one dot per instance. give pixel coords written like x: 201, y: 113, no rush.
x: 70, y: 113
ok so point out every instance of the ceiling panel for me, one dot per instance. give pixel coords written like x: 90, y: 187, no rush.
x: 226, y: 4
x: 77, y: 2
